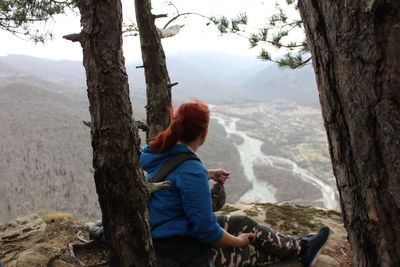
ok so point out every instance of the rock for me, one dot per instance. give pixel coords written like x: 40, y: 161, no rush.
x: 58, y: 263
x: 218, y: 196
x: 36, y: 256
x: 21, y: 234
x: 30, y: 229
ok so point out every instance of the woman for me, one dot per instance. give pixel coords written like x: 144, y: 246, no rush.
x: 184, y: 227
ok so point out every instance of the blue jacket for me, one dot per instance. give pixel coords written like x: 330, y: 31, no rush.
x: 185, y: 209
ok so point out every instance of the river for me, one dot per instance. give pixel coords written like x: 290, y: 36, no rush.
x: 250, y: 153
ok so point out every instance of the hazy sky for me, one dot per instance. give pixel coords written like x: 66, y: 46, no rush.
x: 194, y: 36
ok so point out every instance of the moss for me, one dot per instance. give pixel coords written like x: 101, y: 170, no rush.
x: 289, y: 218
x: 333, y: 214
x: 226, y: 209
x: 51, y: 217
x: 293, y: 219
x: 250, y: 212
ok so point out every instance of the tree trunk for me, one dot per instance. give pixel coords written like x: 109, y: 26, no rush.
x: 354, y: 47
x: 119, y: 180
x: 158, y: 85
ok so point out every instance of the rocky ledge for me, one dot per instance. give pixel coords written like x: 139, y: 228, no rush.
x: 37, y: 240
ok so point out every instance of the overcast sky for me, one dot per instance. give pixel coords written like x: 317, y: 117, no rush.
x: 194, y: 36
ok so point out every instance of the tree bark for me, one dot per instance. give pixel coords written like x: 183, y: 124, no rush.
x: 354, y: 47
x: 158, y: 84
x: 119, y: 180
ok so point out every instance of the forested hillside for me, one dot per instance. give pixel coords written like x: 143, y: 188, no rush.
x: 45, y: 151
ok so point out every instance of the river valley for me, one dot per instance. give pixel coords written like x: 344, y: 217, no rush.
x: 274, y: 178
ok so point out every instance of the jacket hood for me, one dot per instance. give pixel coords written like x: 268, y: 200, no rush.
x: 152, y: 161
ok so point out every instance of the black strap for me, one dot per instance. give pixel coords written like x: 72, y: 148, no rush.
x: 171, y: 165
x: 167, y: 168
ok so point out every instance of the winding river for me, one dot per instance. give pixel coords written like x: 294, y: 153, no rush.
x: 250, y: 153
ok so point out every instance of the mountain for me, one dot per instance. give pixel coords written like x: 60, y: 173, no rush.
x: 57, y: 71
x: 214, y: 77
x: 45, y: 156
x: 273, y: 83
x: 45, y: 152
x: 220, y: 78
x: 204, y: 75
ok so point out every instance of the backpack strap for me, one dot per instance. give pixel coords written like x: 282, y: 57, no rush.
x: 167, y: 168
x: 171, y: 165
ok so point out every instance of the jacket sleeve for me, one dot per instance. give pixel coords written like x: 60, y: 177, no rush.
x: 196, y: 201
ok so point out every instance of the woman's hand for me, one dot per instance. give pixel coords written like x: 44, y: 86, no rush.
x: 245, y: 239
x: 235, y: 241
x: 219, y: 175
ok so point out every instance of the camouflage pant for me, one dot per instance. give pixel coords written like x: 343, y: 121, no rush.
x: 268, y: 247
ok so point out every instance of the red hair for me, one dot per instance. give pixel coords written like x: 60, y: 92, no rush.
x: 189, y: 122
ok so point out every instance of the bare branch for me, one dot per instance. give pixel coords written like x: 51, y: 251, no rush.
x: 130, y: 34
x: 160, y: 16
x: 185, y: 14
x: 155, y: 187
x: 172, y: 4
x: 172, y: 84
x: 74, y: 37
x: 87, y: 123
